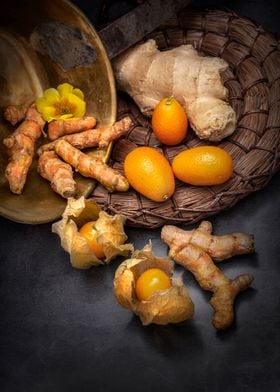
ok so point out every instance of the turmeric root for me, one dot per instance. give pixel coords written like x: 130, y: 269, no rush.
x: 59, y: 128
x: 149, y: 75
x: 20, y: 146
x: 91, y: 167
x: 99, y: 137
x: 218, y: 247
x: 209, y: 277
x: 14, y: 114
x: 59, y: 173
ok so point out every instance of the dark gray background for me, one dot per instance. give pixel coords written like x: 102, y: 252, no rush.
x: 62, y: 330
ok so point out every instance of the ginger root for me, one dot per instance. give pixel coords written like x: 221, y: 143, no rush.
x: 91, y: 167
x: 59, y: 128
x: 20, y: 146
x: 59, y: 173
x: 149, y: 75
x: 219, y: 247
x: 195, y: 259
x: 99, y: 137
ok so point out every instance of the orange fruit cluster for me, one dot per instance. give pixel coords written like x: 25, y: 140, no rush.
x: 151, y: 174
x: 169, y: 121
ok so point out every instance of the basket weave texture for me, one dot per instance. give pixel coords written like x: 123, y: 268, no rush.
x: 253, y: 81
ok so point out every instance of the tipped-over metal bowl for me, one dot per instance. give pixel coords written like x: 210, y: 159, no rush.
x: 44, y: 44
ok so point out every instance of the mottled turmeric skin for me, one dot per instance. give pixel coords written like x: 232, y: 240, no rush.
x: 113, y: 132
x: 99, y: 137
x: 59, y: 128
x: 20, y: 146
x: 211, y: 278
x: 14, y: 114
x: 59, y: 173
x: 91, y: 167
x: 192, y: 255
x: 219, y: 247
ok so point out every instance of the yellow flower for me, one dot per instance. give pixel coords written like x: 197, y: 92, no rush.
x: 62, y: 103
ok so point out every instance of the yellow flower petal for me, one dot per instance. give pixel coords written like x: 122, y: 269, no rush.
x: 78, y: 104
x: 40, y: 104
x: 65, y: 89
x: 66, y: 117
x: 51, y: 95
x: 48, y: 113
x: 79, y: 93
x: 44, y: 103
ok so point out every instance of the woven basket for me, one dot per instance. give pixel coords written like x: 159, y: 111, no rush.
x: 253, y: 81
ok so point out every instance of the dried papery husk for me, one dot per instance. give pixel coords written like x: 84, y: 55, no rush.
x: 172, y: 305
x: 112, y: 236
x: 111, y: 233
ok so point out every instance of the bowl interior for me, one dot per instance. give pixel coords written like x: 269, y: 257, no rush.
x: 43, y: 44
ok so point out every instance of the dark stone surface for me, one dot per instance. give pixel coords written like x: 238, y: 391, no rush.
x: 62, y: 330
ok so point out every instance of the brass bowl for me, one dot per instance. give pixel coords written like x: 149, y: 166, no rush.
x: 43, y: 44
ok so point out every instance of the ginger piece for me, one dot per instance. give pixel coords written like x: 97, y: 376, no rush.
x: 59, y: 173
x: 59, y: 128
x: 219, y: 247
x: 14, y: 114
x: 20, y: 146
x: 111, y: 233
x: 91, y: 167
x: 149, y: 75
x: 209, y: 277
x: 99, y: 137
x: 172, y: 305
